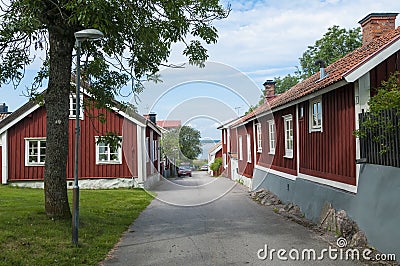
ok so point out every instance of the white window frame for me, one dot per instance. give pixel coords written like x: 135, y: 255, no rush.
x: 271, y: 136
x: 147, y: 149
x: 154, y: 151
x: 288, y: 132
x: 259, y: 137
x: 225, y: 131
x: 38, y: 154
x: 248, y: 143
x: 108, y: 161
x: 240, y: 144
x: 224, y: 160
x: 72, y: 108
x: 315, y: 127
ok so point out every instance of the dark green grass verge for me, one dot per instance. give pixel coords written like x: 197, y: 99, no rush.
x: 29, y: 237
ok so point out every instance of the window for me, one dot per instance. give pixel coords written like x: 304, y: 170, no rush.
x: 288, y: 126
x: 316, y: 114
x: 271, y: 132
x: 107, y: 153
x: 248, y: 142
x: 224, y: 160
x: 35, y: 152
x: 240, y: 148
x: 259, y: 138
x: 72, y: 106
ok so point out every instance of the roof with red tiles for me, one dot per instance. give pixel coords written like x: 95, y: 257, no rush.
x: 336, y: 72
x: 169, y: 123
x: 3, y: 115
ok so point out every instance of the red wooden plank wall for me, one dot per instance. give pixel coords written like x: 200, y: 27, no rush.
x: 264, y: 158
x: 246, y: 168
x: 331, y: 154
x: 382, y: 71
x: 32, y: 126
x: 278, y: 161
x: 90, y: 128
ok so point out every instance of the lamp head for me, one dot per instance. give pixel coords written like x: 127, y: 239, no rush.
x: 88, y: 34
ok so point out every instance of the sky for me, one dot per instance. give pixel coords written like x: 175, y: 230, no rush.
x: 259, y: 40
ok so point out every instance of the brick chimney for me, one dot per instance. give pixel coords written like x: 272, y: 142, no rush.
x: 377, y: 24
x: 269, y: 89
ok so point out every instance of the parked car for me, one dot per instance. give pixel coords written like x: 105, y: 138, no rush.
x: 204, y: 168
x: 184, y: 171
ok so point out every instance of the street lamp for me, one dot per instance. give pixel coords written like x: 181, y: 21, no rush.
x: 80, y: 36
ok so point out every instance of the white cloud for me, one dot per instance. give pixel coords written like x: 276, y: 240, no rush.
x: 262, y: 35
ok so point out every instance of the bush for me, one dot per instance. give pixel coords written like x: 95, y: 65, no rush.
x: 216, y: 164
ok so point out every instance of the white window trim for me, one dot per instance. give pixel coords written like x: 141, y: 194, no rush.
x: 248, y: 144
x: 228, y: 145
x: 288, y: 152
x: 147, y: 149
x: 224, y: 160
x: 154, y: 151
x: 108, y: 162
x: 313, y: 128
x: 240, y: 144
x: 27, y: 163
x: 271, y: 124
x: 71, y: 109
x: 225, y: 131
x: 259, y: 137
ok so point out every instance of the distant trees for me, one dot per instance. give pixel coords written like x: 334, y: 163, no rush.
x: 181, y: 142
x: 336, y: 43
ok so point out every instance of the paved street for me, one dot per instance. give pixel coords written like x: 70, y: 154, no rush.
x: 201, y: 220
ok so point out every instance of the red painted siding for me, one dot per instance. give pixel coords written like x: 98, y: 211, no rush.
x: 246, y: 168
x: 35, y: 126
x: 233, y: 148
x: 264, y: 158
x: 382, y: 71
x: 32, y: 126
x: 331, y: 154
x: 278, y: 161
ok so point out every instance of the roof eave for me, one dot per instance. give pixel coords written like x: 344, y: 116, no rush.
x: 373, y: 60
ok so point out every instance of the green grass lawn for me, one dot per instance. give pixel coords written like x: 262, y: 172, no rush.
x: 29, y: 237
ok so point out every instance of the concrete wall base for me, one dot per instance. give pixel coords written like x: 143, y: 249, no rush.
x: 375, y: 207
x: 106, y: 183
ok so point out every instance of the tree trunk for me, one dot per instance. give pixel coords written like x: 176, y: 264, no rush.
x: 57, y: 109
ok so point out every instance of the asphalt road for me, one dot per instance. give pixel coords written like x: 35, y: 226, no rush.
x: 202, y: 220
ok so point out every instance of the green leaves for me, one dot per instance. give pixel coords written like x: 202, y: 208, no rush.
x: 336, y: 43
x: 181, y: 142
x: 380, y: 123
x: 285, y: 83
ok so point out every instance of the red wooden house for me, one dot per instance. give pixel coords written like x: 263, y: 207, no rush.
x: 135, y: 162
x: 213, y: 153
x: 300, y: 144
x: 307, y: 132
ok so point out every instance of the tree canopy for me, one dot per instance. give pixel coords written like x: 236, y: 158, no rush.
x: 181, y: 143
x: 336, y: 43
x: 138, y: 39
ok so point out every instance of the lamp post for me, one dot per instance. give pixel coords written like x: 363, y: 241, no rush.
x: 80, y: 36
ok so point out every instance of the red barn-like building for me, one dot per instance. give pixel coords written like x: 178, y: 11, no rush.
x: 135, y: 162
